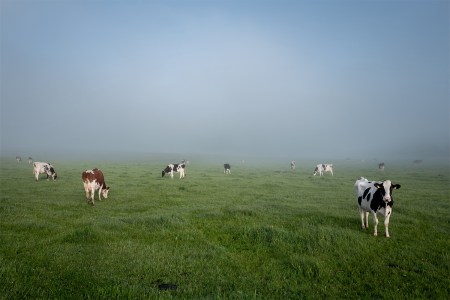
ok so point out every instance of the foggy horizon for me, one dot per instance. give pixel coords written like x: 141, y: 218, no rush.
x: 285, y: 79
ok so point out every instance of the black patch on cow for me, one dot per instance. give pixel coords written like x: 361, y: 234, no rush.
x: 366, y: 192
x: 368, y: 197
x: 359, y: 200
x: 377, y: 201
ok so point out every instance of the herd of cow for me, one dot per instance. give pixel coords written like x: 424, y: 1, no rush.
x: 372, y: 196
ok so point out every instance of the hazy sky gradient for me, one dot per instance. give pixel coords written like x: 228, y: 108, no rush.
x: 284, y: 78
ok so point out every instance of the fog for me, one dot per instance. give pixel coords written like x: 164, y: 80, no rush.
x: 293, y: 79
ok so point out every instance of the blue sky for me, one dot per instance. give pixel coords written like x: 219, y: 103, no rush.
x: 283, y: 78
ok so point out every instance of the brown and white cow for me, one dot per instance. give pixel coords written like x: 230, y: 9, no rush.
x: 94, y: 180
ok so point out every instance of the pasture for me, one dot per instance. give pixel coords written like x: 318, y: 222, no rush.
x: 258, y: 233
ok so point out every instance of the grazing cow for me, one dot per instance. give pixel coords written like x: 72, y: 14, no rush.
x: 19, y: 159
x: 381, y: 166
x: 323, y: 168
x: 43, y: 168
x: 375, y: 197
x: 177, y: 168
x: 30, y: 160
x: 293, y: 165
x: 226, y: 168
x: 94, y: 180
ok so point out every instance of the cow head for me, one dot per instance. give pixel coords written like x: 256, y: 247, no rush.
x: 386, y: 188
x: 105, y: 192
x: 53, y: 173
x: 163, y: 173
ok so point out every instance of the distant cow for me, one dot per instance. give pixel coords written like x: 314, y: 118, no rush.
x: 43, y: 168
x: 19, y: 159
x: 177, y: 168
x: 30, y: 160
x: 375, y: 197
x: 381, y: 166
x: 323, y: 168
x: 293, y: 165
x: 94, y: 180
x: 226, y: 168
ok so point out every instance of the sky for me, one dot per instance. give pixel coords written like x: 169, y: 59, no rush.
x: 296, y: 79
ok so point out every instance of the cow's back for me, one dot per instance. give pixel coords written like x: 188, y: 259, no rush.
x: 99, y: 176
x: 88, y: 176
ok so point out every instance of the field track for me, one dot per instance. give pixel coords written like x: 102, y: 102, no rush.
x: 260, y: 232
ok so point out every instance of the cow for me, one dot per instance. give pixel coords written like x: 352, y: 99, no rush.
x: 19, y: 159
x: 381, y: 166
x: 323, y: 168
x: 94, y: 180
x: 177, y: 168
x: 227, y: 168
x: 30, y: 160
x: 293, y: 165
x: 375, y: 197
x: 44, y: 168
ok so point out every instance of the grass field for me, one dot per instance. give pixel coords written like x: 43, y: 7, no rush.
x: 259, y: 233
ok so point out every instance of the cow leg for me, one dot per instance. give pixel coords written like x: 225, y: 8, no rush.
x: 171, y: 174
x: 92, y: 194
x: 362, y: 214
x: 375, y: 224
x: 99, y: 194
x: 386, y: 226
x: 364, y: 219
x: 386, y: 222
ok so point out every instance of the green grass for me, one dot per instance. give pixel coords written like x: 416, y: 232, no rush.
x: 264, y: 233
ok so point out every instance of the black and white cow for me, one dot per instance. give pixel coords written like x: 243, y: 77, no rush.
x: 177, y: 168
x: 43, y: 168
x: 375, y: 197
x: 227, y: 168
x: 293, y: 165
x: 30, y: 160
x: 18, y: 159
x: 323, y: 168
x: 381, y: 166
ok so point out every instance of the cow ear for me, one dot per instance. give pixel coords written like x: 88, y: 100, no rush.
x: 396, y: 186
x: 377, y: 185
